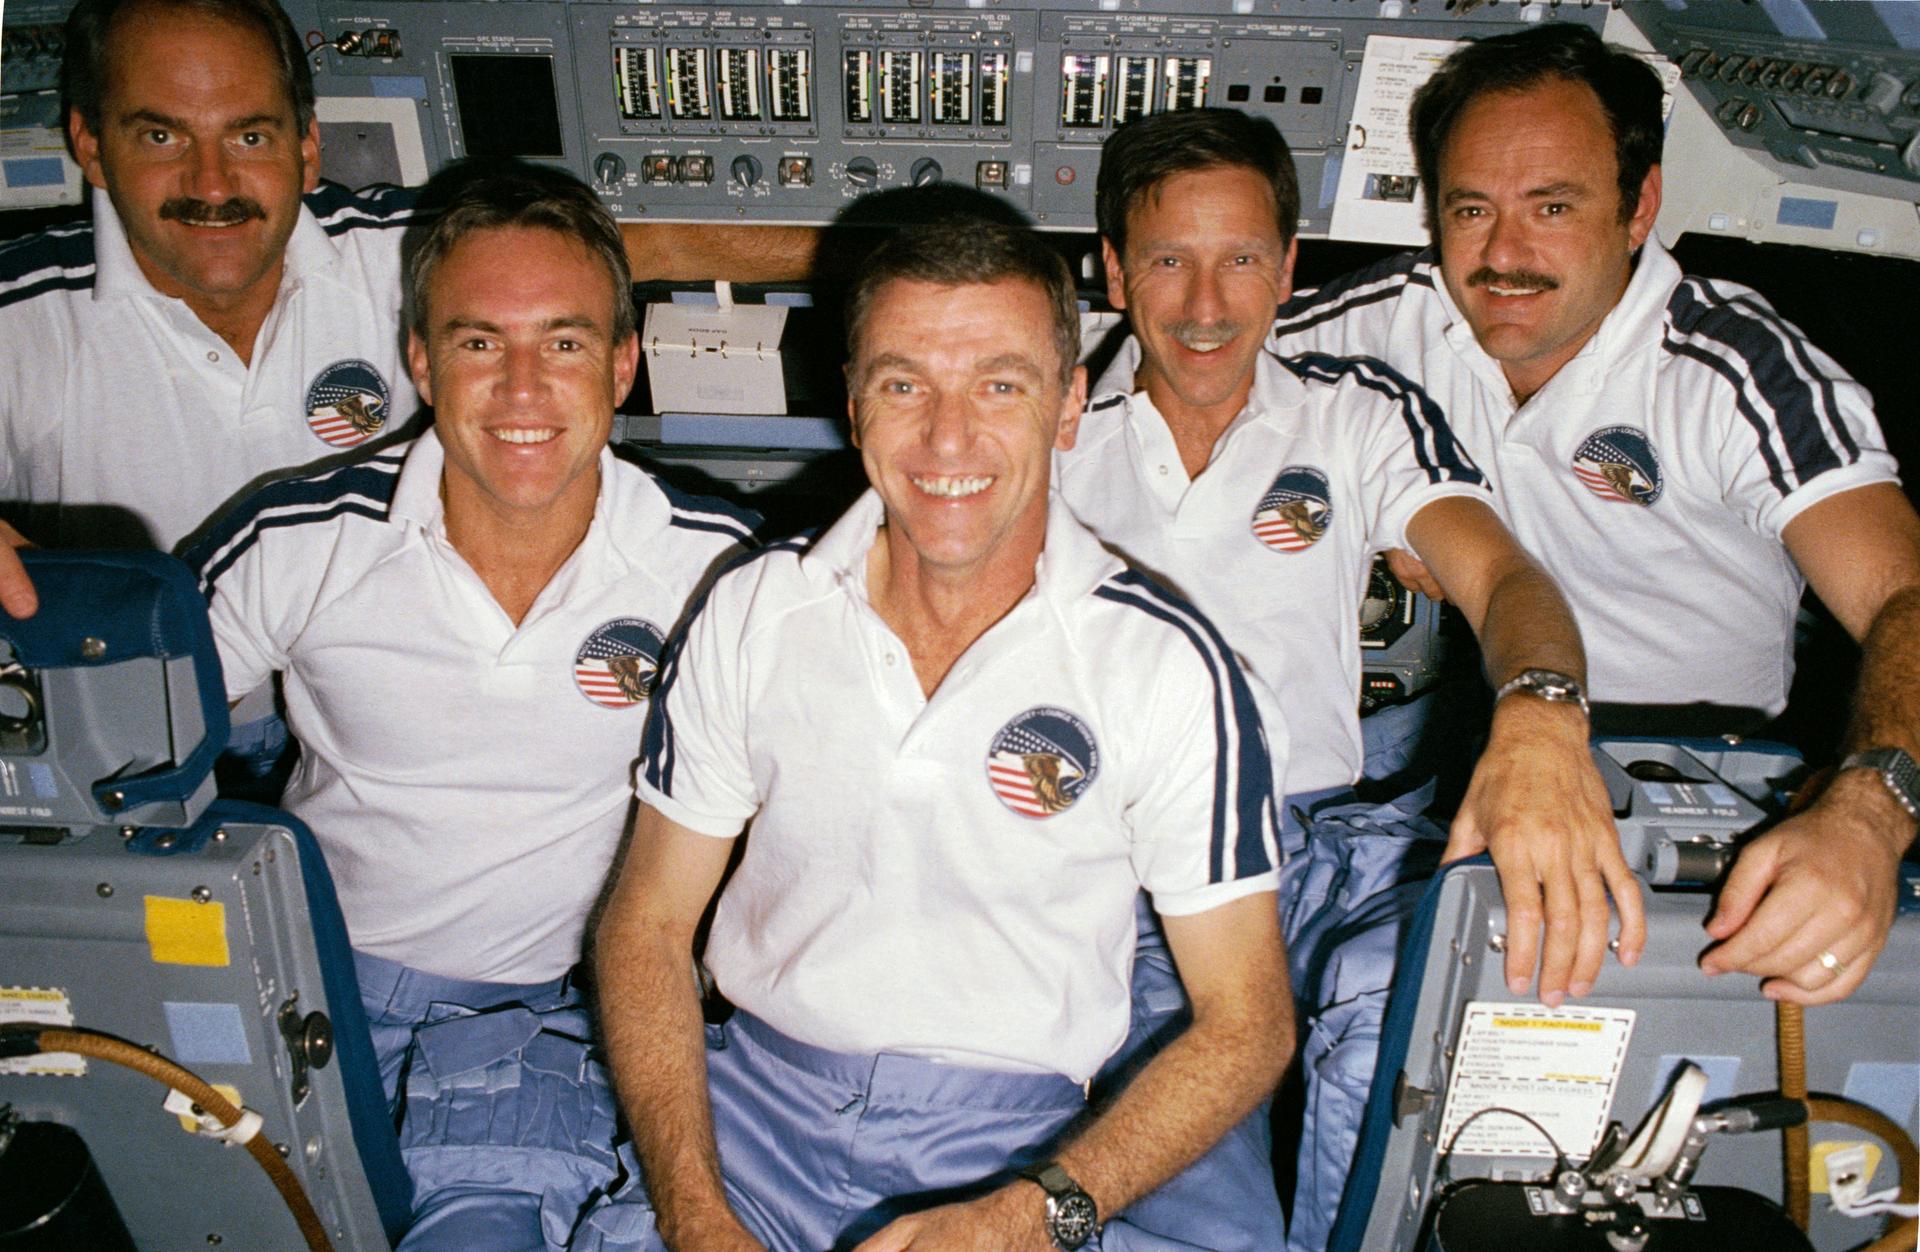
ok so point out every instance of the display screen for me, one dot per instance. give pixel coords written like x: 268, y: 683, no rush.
x: 508, y: 106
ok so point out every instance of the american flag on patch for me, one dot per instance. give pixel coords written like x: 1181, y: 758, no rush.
x: 1041, y: 762
x: 1619, y: 466
x: 347, y: 403
x: 1295, y: 511
x: 615, y: 666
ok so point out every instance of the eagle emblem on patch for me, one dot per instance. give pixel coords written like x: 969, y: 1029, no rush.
x: 1619, y: 465
x: 1295, y: 511
x: 347, y: 403
x: 615, y: 667
x: 1042, y: 761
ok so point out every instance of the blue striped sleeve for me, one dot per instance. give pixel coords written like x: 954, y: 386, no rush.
x: 363, y: 488
x: 1434, y: 445
x: 1785, y: 396
x: 1245, y: 825
x: 658, y: 749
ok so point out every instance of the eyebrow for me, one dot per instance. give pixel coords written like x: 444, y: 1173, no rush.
x: 1552, y: 190
x: 1017, y: 361
x: 572, y: 321
x: 147, y: 117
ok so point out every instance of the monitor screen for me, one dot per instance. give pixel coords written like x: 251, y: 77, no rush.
x: 508, y: 106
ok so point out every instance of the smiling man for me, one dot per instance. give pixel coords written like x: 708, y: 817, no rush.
x: 210, y: 326
x: 1683, y: 460
x: 468, y: 627
x: 966, y: 737
x: 1261, y: 486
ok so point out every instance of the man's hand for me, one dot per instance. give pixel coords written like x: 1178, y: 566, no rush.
x: 1538, y: 805
x: 1413, y: 572
x: 1011, y: 1219
x: 17, y: 595
x: 716, y: 1232
x: 1536, y: 801
x: 1820, y: 883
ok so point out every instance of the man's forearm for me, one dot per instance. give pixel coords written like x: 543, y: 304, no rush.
x: 1528, y: 625
x: 650, y: 1011
x: 1185, y: 1099
x: 1886, y: 712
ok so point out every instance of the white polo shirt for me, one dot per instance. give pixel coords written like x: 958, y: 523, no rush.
x: 125, y: 421
x: 1652, y: 475
x: 466, y: 777
x: 1324, y: 466
x: 954, y: 877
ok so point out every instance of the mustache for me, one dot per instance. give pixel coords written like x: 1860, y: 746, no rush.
x: 1486, y: 275
x: 200, y: 213
x: 1205, y: 332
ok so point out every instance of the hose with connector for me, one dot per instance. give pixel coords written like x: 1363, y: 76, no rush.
x: 23, y: 1040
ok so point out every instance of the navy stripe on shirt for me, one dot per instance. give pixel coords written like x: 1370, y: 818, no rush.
x: 1434, y: 446
x: 1246, y: 799
x: 1383, y: 280
x: 364, y: 488
x: 657, y: 749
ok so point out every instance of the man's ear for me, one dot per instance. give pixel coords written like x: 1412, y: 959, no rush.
x: 853, y: 409
x: 86, y: 149
x: 310, y: 157
x: 417, y: 366
x: 1116, y: 274
x: 626, y: 366
x: 1640, y: 225
x: 1072, y: 405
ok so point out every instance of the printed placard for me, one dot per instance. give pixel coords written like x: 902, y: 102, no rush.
x: 42, y: 1006
x: 1557, y: 1066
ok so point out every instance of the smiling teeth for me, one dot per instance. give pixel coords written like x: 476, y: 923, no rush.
x: 510, y: 435
x: 1515, y: 291
x: 953, y: 487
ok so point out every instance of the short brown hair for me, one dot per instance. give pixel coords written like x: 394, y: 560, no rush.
x: 1147, y: 151
x: 960, y: 252
x: 84, y: 68
x: 491, y: 195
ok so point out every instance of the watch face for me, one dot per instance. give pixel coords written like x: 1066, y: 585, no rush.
x: 1071, y: 1219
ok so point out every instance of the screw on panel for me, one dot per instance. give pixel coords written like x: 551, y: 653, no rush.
x: 313, y: 1149
x: 93, y: 649
x: 114, y: 801
x: 1497, y: 941
x: 214, y: 1241
x: 282, y: 1149
x: 128, y: 832
x: 164, y: 841
x: 104, y: 890
x: 202, y: 894
x: 220, y: 835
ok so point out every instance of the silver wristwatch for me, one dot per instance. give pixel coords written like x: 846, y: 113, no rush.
x: 1897, y: 770
x: 1548, y: 684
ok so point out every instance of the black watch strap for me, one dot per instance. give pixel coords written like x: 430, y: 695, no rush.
x: 1072, y: 1218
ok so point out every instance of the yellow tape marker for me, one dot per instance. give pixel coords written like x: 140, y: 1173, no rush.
x: 184, y: 932
x: 226, y: 1089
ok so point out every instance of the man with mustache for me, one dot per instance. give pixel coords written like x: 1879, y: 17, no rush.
x: 1679, y: 457
x: 222, y: 318
x: 1261, y: 486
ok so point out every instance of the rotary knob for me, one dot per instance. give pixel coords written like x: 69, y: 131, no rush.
x: 862, y: 172
x: 925, y: 172
x: 609, y: 169
x: 746, y: 171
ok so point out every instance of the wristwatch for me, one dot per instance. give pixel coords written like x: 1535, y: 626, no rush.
x: 1548, y: 684
x: 1897, y: 770
x: 1072, y: 1218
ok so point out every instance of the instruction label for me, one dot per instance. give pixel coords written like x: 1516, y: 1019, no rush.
x: 1557, y: 1066
x: 43, y: 1006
